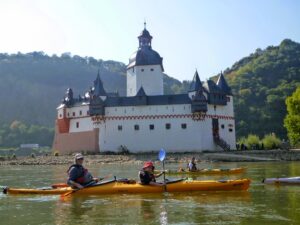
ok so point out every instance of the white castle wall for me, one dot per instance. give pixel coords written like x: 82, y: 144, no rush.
x: 196, y: 137
x: 149, y: 77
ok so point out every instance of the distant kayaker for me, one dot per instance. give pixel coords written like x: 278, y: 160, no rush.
x: 147, y: 175
x: 192, y: 166
x: 78, y: 175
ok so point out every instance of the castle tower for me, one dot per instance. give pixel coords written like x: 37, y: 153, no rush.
x: 145, y: 68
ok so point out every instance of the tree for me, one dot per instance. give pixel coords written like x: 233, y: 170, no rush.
x: 292, y: 119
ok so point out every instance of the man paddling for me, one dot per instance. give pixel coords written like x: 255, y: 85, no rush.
x: 78, y: 175
x: 147, y: 175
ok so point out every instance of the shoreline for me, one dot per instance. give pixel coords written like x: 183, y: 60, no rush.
x: 220, y: 156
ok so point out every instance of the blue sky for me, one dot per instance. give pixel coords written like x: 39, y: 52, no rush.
x: 208, y: 35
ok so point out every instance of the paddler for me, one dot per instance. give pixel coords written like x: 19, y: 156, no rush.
x: 78, y: 175
x: 147, y: 175
x: 192, y: 166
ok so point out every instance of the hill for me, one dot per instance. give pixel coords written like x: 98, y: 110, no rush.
x: 260, y: 84
x: 33, y: 84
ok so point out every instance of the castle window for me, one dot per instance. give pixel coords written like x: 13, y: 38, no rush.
x: 230, y: 129
x: 142, y: 70
x: 77, y: 124
x: 222, y: 126
x: 80, y: 112
x: 228, y: 99
x: 152, y: 69
x: 183, y: 125
x: 68, y: 114
x: 88, y: 112
x: 151, y: 126
x: 168, y: 126
x: 73, y: 113
x: 136, y: 127
x: 60, y: 116
x: 120, y: 127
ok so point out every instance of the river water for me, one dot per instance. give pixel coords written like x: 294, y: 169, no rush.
x: 261, y: 204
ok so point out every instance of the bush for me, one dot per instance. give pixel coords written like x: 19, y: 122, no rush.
x: 252, y: 141
x: 14, y: 156
x: 270, y: 141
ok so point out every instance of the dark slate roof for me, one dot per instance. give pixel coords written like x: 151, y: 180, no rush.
x: 145, y: 56
x: 141, y: 92
x: 196, y: 83
x: 145, y: 34
x: 98, y: 89
x: 211, y: 87
x: 222, y: 84
x: 151, y: 100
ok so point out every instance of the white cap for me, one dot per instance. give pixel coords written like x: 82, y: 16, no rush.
x: 78, y: 156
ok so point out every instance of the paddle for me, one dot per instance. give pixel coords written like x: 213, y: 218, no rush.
x: 161, y: 157
x: 85, y: 186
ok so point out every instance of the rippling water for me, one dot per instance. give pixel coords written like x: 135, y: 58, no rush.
x: 260, y: 205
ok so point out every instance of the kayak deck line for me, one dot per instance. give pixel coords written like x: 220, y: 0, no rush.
x: 117, y: 187
x: 206, y: 171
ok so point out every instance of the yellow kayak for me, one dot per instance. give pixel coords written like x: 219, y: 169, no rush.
x: 121, y: 187
x: 206, y: 171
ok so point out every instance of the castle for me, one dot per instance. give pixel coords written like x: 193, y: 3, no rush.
x: 146, y: 120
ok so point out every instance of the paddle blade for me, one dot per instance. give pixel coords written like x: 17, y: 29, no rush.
x: 161, y: 155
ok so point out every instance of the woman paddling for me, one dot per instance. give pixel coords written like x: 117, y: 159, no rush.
x: 78, y: 175
x: 147, y: 175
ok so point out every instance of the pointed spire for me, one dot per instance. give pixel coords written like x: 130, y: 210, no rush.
x: 196, y: 83
x: 98, y: 86
x: 145, y: 38
x: 222, y: 84
x: 141, y: 92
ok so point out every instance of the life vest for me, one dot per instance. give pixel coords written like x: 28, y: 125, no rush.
x: 146, y: 177
x: 84, y: 173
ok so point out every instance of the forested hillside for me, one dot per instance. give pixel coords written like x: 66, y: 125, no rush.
x: 260, y: 84
x: 33, y: 84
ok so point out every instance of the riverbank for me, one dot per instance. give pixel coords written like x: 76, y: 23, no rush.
x: 232, y: 156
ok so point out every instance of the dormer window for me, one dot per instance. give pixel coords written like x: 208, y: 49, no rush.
x: 152, y: 69
x: 142, y: 70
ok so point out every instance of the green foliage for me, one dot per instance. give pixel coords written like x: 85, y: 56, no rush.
x: 252, y: 140
x: 270, y: 141
x: 18, y: 133
x: 260, y: 84
x: 292, y: 120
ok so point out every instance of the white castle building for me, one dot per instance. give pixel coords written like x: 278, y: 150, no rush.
x: 146, y: 120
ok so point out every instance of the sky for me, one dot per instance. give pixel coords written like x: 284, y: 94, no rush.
x: 207, y: 35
